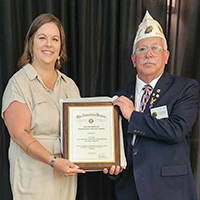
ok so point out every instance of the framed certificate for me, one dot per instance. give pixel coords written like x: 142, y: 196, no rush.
x: 90, y: 132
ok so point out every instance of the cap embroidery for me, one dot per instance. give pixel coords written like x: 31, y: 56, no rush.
x: 148, y: 29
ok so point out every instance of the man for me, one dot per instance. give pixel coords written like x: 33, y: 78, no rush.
x: 156, y: 124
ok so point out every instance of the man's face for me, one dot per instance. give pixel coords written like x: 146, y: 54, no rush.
x: 150, y: 64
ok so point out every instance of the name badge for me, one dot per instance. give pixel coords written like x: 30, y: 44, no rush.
x: 159, y: 112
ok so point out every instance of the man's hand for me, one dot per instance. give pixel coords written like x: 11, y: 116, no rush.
x: 126, y: 106
x: 114, y: 170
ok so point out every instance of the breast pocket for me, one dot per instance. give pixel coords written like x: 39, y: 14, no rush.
x: 45, y: 116
x: 175, y: 170
x: 40, y: 107
x: 38, y: 99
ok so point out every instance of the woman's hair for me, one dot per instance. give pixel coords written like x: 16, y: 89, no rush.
x: 27, y: 56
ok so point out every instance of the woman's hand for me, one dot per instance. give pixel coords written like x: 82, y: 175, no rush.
x: 66, y: 168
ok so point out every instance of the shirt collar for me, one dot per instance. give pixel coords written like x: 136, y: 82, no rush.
x: 140, y: 84
x: 32, y: 73
x: 61, y: 75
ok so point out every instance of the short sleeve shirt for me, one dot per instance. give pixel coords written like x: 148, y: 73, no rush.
x: 26, y: 86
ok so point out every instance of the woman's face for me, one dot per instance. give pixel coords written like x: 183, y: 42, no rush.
x: 46, y: 45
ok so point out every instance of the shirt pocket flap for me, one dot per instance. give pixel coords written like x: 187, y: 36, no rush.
x: 175, y: 170
x: 38, y: 99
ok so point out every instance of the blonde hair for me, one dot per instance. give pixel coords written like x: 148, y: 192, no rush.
x: 27, y: 56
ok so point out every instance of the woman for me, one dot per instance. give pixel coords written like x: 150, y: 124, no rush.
x: 31, y: 113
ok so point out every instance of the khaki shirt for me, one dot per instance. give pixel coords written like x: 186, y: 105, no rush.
x: 31, y: 179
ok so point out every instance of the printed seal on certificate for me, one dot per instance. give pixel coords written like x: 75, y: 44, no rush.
x: 91, y: 134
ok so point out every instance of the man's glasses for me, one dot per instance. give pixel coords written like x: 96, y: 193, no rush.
x: 155, y: 50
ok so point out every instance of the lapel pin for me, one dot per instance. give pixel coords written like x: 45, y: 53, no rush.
x: 158, y: 90
x: 154, y: 114
x: 154, y: 99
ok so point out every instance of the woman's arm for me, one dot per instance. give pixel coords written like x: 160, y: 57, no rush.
x: 18, y: 121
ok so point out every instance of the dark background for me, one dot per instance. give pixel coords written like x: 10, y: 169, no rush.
x: 99, y: 37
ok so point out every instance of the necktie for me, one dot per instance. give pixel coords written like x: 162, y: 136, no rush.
x: 145, y: 97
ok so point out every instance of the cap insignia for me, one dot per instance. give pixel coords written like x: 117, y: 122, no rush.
x: 149, y: 29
